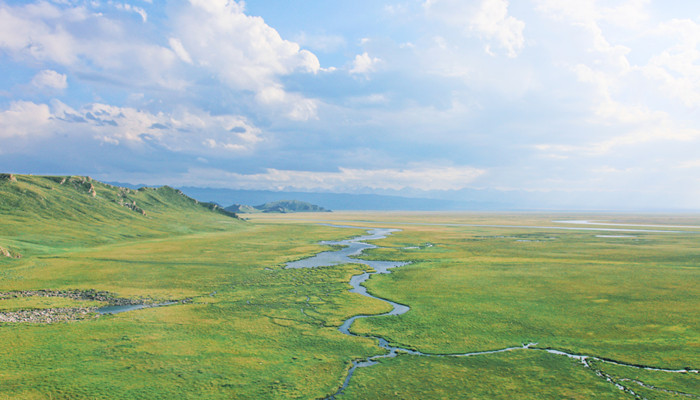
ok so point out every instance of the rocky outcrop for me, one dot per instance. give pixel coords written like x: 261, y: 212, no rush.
x: 125, y: 201
x: 53, y: 315
x: 8, y: 177
x: 77, y: 294
x: 8, y: 253
x: 49, y: 316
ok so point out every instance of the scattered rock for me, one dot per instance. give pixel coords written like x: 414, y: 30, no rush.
x: 10, y: 254
x: 8, y: 177
x: 49, y: 316
x: 77, y: 294
x: 53, y: 315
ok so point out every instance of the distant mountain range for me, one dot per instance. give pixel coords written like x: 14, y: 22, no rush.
x: 455, y: 200
x: 338, y: 201
x: 281, y: 206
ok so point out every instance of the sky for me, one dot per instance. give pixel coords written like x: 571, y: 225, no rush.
x: 595, y: 101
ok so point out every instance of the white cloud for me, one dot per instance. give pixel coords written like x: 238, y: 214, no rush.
x: 23, y: 33
x: 135, y: 9
x: 323, y: 43
x: 638, y: 126
x: 47, y: 33
x: 489, y: 20
x: 179, y: 49
x: 677, y: 68
x: 189, y: 131
x: 363, y: 64
x: 610, y: 35
x: 292, y: 105
x: 24, y: 119
x: 625, y: 13
x: 345, y: 179
x: 49, y: 79
x: 215, y: 37
x: 245, y: 53
x: 689, y: 164
x: 213, y: 144
x: 494, y: 24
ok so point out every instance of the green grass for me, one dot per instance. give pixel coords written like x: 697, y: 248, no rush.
x: 514, y: 375
x: 636, y: 300
x: 255, y: 330
x: 249, y: 339
x: 687, y: 383
x: 39, y: 303
x: 43, y: 215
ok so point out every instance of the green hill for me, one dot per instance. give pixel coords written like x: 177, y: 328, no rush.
x: 242, y: 208
x: 281, y: 206
x: 40, y: 212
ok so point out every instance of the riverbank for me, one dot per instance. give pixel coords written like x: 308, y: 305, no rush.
x: 351, y: 249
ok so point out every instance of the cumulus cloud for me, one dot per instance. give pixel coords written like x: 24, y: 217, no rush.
x: 669, y: 71
x: 24, y: 119
x: 363, y: 64
x: 494, y: 24
x: 677, y: 67
x: 215, y: 38
x: 625, y: 13
x: 48, y: 33
x: 489, y: 20
x: 245, y: 53
x: 293, y: 105
x: 49, y: 79
x: 347, y: 179
x: 189, y: 131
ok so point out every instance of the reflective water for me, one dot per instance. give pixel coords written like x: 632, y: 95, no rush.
x: 131, y: 307
x: 355, y: 246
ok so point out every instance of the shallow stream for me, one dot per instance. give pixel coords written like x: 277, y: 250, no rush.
x: 355, y: 246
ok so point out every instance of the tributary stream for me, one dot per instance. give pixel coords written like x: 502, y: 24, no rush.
x: 354, y: 247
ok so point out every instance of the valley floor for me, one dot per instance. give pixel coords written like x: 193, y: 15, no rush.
x: 615, y: 290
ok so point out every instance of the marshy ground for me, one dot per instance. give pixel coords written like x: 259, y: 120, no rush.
x: 475, y: 282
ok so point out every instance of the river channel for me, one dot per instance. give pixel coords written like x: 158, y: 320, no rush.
x: 352, y: 248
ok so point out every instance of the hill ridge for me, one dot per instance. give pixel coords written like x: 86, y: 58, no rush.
x: 279, y: 206
x: 39, y: 211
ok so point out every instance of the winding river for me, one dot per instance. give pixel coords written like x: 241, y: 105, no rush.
x: 351, y: 248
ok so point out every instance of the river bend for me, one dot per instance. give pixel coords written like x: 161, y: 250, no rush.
x: 355, y: 246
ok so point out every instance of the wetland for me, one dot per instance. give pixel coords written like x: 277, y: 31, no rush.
x: 362, y: 305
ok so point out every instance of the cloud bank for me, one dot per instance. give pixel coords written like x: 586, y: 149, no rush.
x: 594, y: 98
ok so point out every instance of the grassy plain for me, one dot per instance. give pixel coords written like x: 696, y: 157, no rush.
x: 475, y: 285
x: 41, y: 303
x: 248, y: 340
x: 515, y: 375
x: 255, y: 330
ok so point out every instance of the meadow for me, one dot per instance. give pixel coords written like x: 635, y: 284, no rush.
x: 256, y: 330
x: 632, y: 297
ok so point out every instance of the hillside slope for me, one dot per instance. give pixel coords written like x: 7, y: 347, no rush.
x: 281, y: 206
x: 67, y: 211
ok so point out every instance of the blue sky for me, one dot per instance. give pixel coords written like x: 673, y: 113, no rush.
x: 584, y: 100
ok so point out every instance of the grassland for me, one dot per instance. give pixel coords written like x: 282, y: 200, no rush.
x: 515, y: 375
x: 243, y: 336
x: 255, y: 330
x: 473, y: 287
x: 42, y: 303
